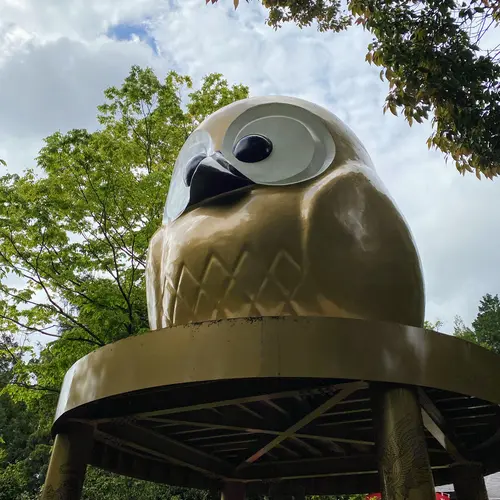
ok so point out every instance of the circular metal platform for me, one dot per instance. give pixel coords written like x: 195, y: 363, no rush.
x: 278, y: 402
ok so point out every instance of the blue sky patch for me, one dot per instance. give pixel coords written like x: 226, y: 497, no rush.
x: 126, y: 31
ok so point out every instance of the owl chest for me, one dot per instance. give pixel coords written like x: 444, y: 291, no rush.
x: 223, y: 283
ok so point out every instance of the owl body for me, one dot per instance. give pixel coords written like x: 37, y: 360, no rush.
x: 333, y: 245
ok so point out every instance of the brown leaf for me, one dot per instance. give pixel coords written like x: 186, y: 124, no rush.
x: 236, y: 3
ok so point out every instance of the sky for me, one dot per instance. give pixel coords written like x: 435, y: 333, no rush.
x: 58, y: 56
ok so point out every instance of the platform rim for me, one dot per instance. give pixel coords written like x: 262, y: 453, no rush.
x: 270, y: 347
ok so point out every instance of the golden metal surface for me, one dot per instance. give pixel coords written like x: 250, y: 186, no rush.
x: 333, y: 348
x: 255, y: 291
x: 468, y: 481
x: 404, y: 466
x: 68, y: 462
x: 334, y: 246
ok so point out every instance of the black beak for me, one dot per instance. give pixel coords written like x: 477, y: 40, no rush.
x: 213, y: 176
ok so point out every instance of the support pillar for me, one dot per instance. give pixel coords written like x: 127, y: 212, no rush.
x: 403, y: 460
x: 68, y: 463
x: 233, y: 490
x: 468, y: 481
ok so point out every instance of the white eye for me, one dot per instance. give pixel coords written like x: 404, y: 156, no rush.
x: 199, y: 142
x: 302, y: 146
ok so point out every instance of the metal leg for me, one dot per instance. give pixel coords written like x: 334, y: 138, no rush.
x: 233, y: 491
x: 468, y: 481
x: 403, y: 461
x: 68, y: 463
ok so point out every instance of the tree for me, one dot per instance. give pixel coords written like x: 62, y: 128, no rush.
x: 430, y: 53
x: 73, y: 241
x: 487, y: 323
x: 24, y: 444
x: 436, y: 325
x: 339, y: 497
x: 102, y: 485
x: 485, y: 329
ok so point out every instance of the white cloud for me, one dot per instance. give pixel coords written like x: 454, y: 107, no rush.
x: 55, y: 61
x: 61, y: 82
x: 83, y: 19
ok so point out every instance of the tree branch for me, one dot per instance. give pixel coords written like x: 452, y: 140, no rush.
x: 35, y: 387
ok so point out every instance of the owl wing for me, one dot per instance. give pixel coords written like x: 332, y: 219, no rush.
x: 154, y: 286
x: 359, y: 249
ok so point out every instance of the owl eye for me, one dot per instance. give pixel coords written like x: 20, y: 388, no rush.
x: 278, y: 144
x: 252, y: 148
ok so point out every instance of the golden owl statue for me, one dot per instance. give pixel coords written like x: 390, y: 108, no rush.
x: 275, y: 209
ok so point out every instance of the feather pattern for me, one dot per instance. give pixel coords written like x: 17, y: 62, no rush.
x: 404, y: 462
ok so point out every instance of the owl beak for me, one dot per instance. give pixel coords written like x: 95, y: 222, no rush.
x: 214, y: 176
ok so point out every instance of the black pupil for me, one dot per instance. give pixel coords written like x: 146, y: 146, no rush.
x: 252, y: 148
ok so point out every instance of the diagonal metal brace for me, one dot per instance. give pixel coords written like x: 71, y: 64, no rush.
x: 290, y: 432
x: 435, y: 423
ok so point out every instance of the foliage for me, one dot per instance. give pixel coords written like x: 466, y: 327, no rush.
x: 73, y: 239
x: 339, y: 497
x: 487, y: 323
x: 24, y: 444
x: 485, y: 329
x: 430, y: 53
x: 436, y: 325
x: 74, y: 235
x: 102, y: 485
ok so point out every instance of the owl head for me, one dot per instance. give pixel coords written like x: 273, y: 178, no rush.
x: 275, y: 209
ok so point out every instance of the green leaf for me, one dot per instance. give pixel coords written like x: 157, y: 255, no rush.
x: 75, y: 234
x: 435, y: 55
